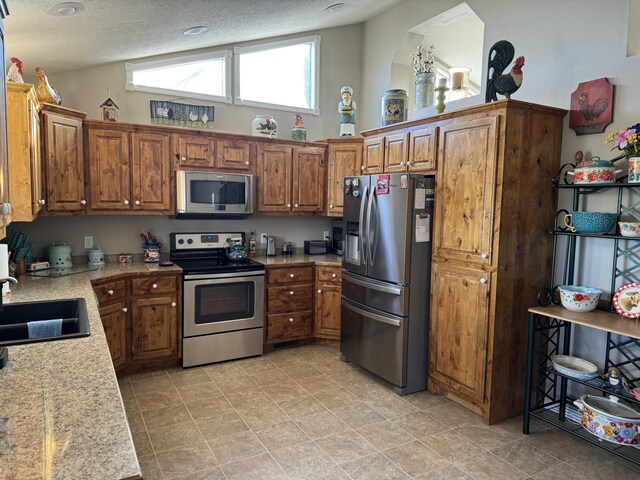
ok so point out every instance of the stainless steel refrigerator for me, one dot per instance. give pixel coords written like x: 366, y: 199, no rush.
x: 386, y: 264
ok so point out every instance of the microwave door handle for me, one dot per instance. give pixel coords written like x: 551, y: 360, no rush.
x: 361, y: 238
x: 213, y: 198
x: 370, y: 238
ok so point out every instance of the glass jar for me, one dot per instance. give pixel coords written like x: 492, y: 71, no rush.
x: 459, y: 82
x: 394, y: 106
x: 264, y: 126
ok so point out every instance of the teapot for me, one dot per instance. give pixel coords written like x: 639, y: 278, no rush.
x: 235, y: 250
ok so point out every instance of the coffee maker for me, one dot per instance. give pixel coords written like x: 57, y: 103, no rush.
x: 271, y: 246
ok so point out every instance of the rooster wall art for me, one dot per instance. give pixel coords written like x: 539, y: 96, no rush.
x: 591, y: 107
x: 500, y: 57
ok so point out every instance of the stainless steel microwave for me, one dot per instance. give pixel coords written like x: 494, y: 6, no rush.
x: 211, y: 194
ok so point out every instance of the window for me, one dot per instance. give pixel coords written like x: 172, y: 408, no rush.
x: 280, y: 75
x: 206, y: 76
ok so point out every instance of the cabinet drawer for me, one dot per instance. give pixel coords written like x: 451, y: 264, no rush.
x: 329, y: 274
x: 110, y: 291
x: 153, y: 284
x: 293, y: 298
x: 289, y: 326
x: 280, y: 275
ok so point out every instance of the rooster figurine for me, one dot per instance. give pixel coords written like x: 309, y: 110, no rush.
x: 15, y: 71
x: 44, y: 91
x: 500, y: 56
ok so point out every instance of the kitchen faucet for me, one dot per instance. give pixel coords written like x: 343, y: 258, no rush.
x: 4, y: 280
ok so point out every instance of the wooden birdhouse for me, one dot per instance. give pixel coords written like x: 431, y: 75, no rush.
x: 109, y: 110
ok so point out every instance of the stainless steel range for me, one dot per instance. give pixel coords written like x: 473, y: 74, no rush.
x: 223, y: 300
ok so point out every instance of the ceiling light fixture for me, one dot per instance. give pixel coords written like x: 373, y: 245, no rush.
x: 66, y: 9
x: 334, y: 8
x: 195, y: 30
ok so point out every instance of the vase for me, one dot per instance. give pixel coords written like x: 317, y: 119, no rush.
x: 299, y: 134
x: 634, y: 170
x: 394, y: 106
x: 425, y: 83
x: 264, y: 126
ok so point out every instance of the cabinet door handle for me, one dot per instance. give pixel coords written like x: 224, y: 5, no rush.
x: 333, y: 275
x: 291, y: 275
x: 363, y: 168
x: 173, y: 304
x: 330, y: 206
x: 83, y: 202
x: 110, y: 292
x: 125, y: 310
x: 296, y: 205
x: 402, y: 164
x: 126, y: 202
x: 291, y: 292
x: 155, y: 285
x: 41, y: 201
x: 319, y: 291
x: 483, y: 280
x: 247, y: 162
x: 485, y: 255
x: 137, y: 202
x: 291, y: 320
x: 288, y: 205
x: 183, y: 159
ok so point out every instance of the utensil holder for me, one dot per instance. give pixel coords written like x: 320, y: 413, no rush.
x: 151, y: 251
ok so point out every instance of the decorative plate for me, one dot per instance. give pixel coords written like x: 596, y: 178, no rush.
x: 627, y: 300
x: 574, y: 367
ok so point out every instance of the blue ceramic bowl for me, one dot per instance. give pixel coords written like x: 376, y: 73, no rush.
x: 591, y: 222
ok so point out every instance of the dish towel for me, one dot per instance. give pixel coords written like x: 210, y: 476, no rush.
x: 45, y: 328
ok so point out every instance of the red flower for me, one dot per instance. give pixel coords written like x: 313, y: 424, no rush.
x: 578, y: 297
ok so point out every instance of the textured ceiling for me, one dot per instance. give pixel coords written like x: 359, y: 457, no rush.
x: 113, y: 30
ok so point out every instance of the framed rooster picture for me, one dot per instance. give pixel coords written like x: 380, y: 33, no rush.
x: 591, y: 107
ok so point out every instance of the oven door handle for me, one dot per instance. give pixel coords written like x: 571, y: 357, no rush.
x: 207, y: 276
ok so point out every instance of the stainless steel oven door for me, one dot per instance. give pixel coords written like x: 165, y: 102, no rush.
x: 216, y: 303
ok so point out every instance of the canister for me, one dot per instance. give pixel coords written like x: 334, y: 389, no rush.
x: 394, y: 106
x: 96, y: 257
x: 151, y: 251
x: 59, y: 255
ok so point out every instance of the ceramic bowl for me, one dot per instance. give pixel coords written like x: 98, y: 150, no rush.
x: 574, y: 367
x: 579, y: 299
x: 629, y: 229
x: 590, y: 222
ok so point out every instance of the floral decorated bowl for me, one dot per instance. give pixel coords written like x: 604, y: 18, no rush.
x: 629, y: 229
x: 594, y: 170
x: 609, y: 419
x: 590, y: 222
x: 579, y: 299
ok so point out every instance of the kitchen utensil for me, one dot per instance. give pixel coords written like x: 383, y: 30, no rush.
x: 626, y: 300
x: 594, y: 170
x: 579, y: 299
x: 96, y: 257
x: 629, y: 229
x: 590, y: 222
x: 609, y: 419
x: 59, y: 255
x: 271, y: 246
x: 151, y: 252
x: 574, y: 367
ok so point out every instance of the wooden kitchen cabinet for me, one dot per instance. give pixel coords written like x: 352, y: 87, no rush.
x: 25, y: 167
x: 373, y: 157
x: 396, y: 152
x: 235, y: 156
x: 63, y: 159
x: 151, y: 172
x: 114, y: 318
x: 196, y: 152
x: 328, y: 302
x: 154, y: 327
x: 109, y: 169
x: 289, y: 303
x: 344, y: 158
x: 290, y: 179
x: 423, y: 150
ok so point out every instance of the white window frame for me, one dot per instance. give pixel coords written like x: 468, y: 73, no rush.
x: 183, y: 60
x: 315, y: 94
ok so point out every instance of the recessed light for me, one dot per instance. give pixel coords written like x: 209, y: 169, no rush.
x: 333, y: 8
x: 195, y: 30
x: 66, y: 9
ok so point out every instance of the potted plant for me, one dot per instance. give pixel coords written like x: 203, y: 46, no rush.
x: 424, y: 69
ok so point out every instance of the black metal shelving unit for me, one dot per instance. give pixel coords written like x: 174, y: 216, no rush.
x: 550, y: 328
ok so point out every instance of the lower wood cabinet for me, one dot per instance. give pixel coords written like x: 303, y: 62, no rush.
x: 141, y: 317
x: 328, y: 303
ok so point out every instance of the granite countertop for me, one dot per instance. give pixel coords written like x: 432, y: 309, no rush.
x: 329, y: 259
x: 61, y: 413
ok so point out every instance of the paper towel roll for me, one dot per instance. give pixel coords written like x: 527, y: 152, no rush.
x: 4, y: 267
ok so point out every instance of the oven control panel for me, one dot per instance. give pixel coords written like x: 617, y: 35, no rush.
x: 201, y: 241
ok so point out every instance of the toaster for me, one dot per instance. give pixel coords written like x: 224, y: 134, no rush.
x: 315, y: 247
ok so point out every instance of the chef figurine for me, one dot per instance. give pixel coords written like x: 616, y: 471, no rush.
x: 613, y: 380
x: 347, y: 110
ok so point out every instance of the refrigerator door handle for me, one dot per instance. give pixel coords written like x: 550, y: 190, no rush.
x: 361, y: 236
x: 369, y: 236
x: 373, y: 286
x: 372, y: 316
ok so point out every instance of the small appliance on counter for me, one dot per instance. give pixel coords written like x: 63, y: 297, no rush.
x: 315, y: 247
x: 59, y: 255
x: 271, y: 246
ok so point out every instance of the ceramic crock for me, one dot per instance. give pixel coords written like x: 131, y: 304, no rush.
x: 634, y: 170
x: 609, y: 419
x: 151, y: 251
x: 96, y: 257
x: 59, y: 255
x: 394, y: 106
x: 594, y: 170
x: 264, y: 126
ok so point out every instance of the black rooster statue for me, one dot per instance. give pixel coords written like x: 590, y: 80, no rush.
x: 500, y: 56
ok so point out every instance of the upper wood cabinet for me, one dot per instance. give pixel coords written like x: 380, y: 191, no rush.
x: 25, y: 167
x: 290, y: 179
x: 344, y: 158
x: 423, y: 150
x: 63, y: 159
x: 235, y: 156
x: 151, y: 173
x: 109, y: 169
x: 396, y: 151
x: 194, y: 151
x: 373, y: 158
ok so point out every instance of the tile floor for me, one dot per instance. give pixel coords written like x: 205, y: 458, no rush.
x: 303, y: 414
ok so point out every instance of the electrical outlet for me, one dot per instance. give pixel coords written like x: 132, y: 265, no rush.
x: 326, y: 235
x: 263, y: 238
x: 88, y: 241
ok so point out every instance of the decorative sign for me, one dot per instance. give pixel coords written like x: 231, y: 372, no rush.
x: 591, y: 107
x: 382, y: 185
x: 627, y: 300
x: 181, y: 114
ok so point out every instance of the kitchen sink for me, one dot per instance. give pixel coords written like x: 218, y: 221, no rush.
x: 14, y: 319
